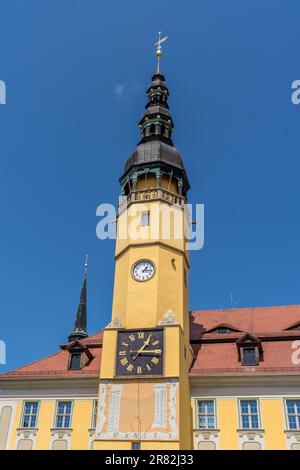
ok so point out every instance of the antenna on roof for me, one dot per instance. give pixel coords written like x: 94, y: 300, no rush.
x: 233, y: 303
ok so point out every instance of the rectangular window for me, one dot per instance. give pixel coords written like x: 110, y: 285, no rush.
x: 94, y: 414
x: 249, y: 357
x: 185, y: 278
x: 75, y: 361
x: 145, y: 218
x: 249, y: 417
x: 293, y: 414
x: 30, y: 412
x: 135, y: 445
x: 63, y: 414
x: 206, y: 414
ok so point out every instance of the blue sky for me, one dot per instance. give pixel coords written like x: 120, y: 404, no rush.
x: 76, y: 74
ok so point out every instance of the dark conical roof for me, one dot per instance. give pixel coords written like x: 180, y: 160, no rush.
x: 80, y: 325
x: 153, y: 151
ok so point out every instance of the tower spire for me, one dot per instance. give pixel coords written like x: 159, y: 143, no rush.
x: 80, y: 328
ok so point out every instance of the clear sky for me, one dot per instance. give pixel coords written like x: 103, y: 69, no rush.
x: 76, y: 72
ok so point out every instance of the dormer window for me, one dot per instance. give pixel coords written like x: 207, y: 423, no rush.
x: 75, y: 361
x: 249, y: 356
x: 222, y: 330
x: 250, y: 350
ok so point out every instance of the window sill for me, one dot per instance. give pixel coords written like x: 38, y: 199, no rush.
x: 27, y: 429
x: 61, y: 429
x: 292, y: 431
x: 250, y: 430
x: 207, y: 429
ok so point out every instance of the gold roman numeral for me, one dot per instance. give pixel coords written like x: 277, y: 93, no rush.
x: 132, y: 337
x: 148, y: 367
x: 125, y: 344
x: 129, y: 367
x: 155, y: 343
x: 154, y: 360
x: 122, y: 353
x: 139, y: 370
x: 141, y: 335
x: 124, y: 361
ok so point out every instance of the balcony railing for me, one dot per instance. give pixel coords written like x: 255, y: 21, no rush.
x: 151, y: 194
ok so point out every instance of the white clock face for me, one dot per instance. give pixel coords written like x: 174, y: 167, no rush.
x: 143, y: 270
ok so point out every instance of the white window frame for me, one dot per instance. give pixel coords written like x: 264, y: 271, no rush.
x: 287, y: 415
x: 31, y: 414
x: 56, y: 414
x: 249, y: 414
x: 197, y: 424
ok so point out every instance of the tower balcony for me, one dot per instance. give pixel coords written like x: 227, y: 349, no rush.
x: 151, y: 194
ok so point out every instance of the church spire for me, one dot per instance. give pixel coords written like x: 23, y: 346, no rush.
x: 80, y: 329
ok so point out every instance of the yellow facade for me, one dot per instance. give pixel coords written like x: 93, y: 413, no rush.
x: 228, y: 436
x: 140, y: 305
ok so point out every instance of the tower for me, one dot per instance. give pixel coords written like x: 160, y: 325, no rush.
x: 144, y: 396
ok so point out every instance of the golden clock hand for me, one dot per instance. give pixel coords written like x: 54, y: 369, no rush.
x: 146, y: 343
x: 151, y: 351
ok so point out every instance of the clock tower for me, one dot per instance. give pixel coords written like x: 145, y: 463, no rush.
x: 144, y: 396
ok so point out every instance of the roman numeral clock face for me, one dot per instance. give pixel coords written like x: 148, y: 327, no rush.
x: 140, y: 352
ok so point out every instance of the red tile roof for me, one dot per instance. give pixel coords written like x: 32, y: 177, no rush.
x: 215, y: 354
x: 56, y: 365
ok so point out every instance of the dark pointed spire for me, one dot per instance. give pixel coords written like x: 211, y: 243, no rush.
x: 80, y: 329
x: 156, y: 122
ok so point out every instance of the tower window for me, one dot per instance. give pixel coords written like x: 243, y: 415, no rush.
x: 145, y: 218
x: 75, y: 361
x: 185, y: 278
x: 136, y: 446
x: 152, y: 129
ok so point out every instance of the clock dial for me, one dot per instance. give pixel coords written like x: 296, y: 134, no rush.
x: 140, y: 352
x: 143, y: 270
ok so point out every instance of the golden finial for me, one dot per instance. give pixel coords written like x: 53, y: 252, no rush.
x: 158, y: 50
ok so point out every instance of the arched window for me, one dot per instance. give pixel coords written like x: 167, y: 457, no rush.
x: 152, y: 129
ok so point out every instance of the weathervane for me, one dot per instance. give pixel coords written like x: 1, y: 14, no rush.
x: 158, y: 49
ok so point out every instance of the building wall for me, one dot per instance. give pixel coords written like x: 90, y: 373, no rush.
x: 273, y: 431
x: 228, y: 434
x: 45, y: 436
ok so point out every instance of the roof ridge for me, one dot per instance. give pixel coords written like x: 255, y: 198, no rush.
x: 244, y: 308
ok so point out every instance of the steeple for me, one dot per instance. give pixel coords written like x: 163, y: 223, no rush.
x: 156, y: 122
x: 155, y: 153
x: 80, y: 329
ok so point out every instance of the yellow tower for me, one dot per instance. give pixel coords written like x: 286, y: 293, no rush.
x: 144, y: 396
